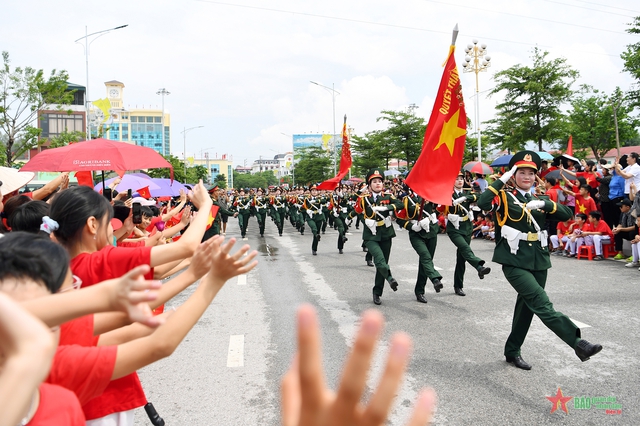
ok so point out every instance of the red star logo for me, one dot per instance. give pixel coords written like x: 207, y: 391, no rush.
x: 559, y: 401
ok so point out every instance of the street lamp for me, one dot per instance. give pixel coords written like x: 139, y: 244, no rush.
x: 184, y: 154
x: 87, y: 43
x: 333, y: 139
x: 163, y: 92
x: 477, y: 61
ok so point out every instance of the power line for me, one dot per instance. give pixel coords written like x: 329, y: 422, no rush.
x: 406, y: 27
x: 589, y: 8
x: 606, y: 5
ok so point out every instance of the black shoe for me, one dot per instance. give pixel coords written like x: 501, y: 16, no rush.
x: 518, y: 362
x: 437, y: 285
x: 459, y: 291
x: 340, y: 251
x: 586, y: 350
x: 420, y: 298
x: 357, y: 227
x: 281, y: 234
x: 393, y: 284
x: 345, y: 239
x: 370, y: 263
x: 376, y: 299
x: 483, y: 271
x: 262, y: 235
x: 318, y: 237
x: 315, y: 253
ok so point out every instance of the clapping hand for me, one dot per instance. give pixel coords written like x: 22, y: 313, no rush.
x: 307, y: 401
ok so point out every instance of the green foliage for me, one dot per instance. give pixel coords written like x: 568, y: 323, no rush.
x: 221, y: 181
x: 631, y: 57
x: 23, y: 92
x: 258, y: 180
x: 313, y: 165
x: 194, y: 174
x: 591, y: 120
x: 404, y: 135
x: 65, y: 138
x: 531, y: 110
x: 368, y: 152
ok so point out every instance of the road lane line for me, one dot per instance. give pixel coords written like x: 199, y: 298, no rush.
x: 579, y: 324
x: 242, y: 279
x: 235, y: 356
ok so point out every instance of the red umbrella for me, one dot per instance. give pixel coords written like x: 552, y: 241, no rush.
x: 478, y: 167
x: 97, y: 154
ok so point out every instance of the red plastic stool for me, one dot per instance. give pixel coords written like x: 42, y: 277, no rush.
x: 608, y: 250
x: 586, y: 251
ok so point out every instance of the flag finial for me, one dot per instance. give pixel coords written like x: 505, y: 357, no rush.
x: 454, y: 37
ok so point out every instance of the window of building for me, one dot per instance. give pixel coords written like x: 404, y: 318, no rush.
x: 149, y: 119
x: 53, y: 124
x: 134, y: 119
x: 157, y: 119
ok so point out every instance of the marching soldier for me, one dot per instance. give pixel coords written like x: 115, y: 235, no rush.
x: 242, y: 204
x: 278, y: 208
x: 214, y: 229
x: 312, y: 209
x: 341, y: 208
x: 460, y: 229
x: 259, y: 206
x: 419, y: 218
x: 523, y: 252
x: 376, y: 209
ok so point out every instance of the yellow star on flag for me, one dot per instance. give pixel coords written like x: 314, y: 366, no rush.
x: 582, y: 208
x: 450, y: 132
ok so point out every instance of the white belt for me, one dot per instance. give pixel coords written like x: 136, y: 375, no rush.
x: 513, y: 237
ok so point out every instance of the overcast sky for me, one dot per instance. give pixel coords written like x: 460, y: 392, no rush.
x: 241, y: 68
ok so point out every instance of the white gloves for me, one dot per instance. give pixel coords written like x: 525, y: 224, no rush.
x: 505, y: 177
x: 459, y: 200
x: 310, y: 213
x: 535, y: 204
x: 380, y: 208
x: 416, y: 226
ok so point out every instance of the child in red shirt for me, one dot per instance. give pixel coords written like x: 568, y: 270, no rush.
x: 600, y: 231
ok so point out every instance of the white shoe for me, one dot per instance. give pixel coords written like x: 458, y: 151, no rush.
x: 632, y: 265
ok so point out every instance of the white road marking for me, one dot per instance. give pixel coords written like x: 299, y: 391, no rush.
x: 579, y: 324
x: 235, y: 357
x: 242, y: 279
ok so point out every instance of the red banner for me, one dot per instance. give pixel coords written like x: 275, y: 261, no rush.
x: 345, y: 162
x: 435, y: 171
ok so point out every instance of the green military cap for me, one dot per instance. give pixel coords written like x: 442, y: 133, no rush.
x: 374, y: 173
x: 260, y: 190
x: 525, y: 159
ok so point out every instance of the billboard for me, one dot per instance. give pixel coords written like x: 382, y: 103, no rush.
x: 319, y: 140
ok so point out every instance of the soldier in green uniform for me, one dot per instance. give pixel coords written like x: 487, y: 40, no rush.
x: 242, y: 205
x: 214, y: 229
x: 376, y: 209
x: 278, y: 207
x: 460, y: 229
x: 340, y: 209
x: 419, y: 218
x: 259, y: 207
x: 522, y: 250
x: 312, y: 210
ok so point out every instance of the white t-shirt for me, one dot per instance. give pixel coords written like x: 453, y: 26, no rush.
x: 634, y: 170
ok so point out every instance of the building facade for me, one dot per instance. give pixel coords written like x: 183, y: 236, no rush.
x: 140, y: 126
x: 215, y: 167
x: 281, y: 165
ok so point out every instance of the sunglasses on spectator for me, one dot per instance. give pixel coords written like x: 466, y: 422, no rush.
x: 77, y: 283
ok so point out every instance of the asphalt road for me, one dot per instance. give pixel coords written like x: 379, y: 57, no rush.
x: 228, y: 369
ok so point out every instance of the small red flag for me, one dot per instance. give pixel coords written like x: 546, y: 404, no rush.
x: 345, y: 161
x: 212, y: 215
x: 435, y: 171
x: 85, y: 178
x: 570, y: 146
x: 144, y: 192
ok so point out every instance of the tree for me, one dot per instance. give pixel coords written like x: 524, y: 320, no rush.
x: 65, y: 138
x: 221, y: 181
x: 404, y: 135
x: 368, y: 151
x: 313, y: 165
x: 531, y: 110
x: 592, y: 124
x: 24, y: 92
x: 631, y: 59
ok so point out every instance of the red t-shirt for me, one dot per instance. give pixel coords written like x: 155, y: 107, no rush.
x: 78, y: 332
x: 602, y: 227
x: 85, y: 371
x: 564, y: 229
x: 585, y: 206
x: 111, y: 262
x: 108, y: 263
x: 154, y: 220
x: 58, y: 406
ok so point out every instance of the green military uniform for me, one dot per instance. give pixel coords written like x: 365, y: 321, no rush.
x: 312, y: 210
x: 214, y: 229
x: 278, y: 207
x: 259, y: 207
x: 522, y: 250
x: 419, y: 218
x: 340, y: 210
x: 376, y: 210
x: 242, y: 205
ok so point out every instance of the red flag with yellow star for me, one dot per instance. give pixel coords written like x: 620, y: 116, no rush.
x: 435, y: 171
